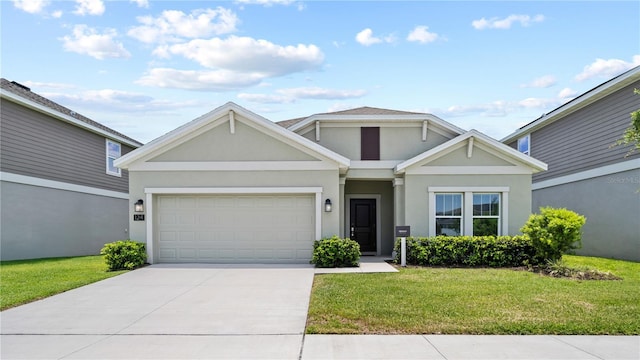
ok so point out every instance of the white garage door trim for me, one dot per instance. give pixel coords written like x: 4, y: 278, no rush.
x: 150, y: 192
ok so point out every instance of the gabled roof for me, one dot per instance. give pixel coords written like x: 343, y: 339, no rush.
x: 495, y: 145
x: 369, y: 114
x: 17, y: 92
x: 185, y: 130
x: 578, y: 103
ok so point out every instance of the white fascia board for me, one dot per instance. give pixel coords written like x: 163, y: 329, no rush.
x: 419, y: 118
x: 374, y: 164
x: 64, y: 117
x: 576, y: 104
x: 59, y: 185
x: 469, y: 170
x: 606, y: 170
x: 535, y: 164
x: 216, y: 114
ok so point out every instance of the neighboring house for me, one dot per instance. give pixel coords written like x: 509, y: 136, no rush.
x: 60, y: 193
x: 232, y: 186
x: 586, y: 174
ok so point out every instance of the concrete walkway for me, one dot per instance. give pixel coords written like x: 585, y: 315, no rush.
x: 242, y: 312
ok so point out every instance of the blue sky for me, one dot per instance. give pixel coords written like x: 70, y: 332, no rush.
x: 145, y: 67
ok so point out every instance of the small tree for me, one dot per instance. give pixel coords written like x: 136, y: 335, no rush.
x: 631, y: 135
x: 554, y: 232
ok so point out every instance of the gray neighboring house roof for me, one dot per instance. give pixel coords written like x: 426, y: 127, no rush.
x: 26, y: 93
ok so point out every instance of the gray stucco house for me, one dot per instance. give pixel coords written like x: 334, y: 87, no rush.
x: 60, y: 194
x: 585, y: 173
x: 232, y: 186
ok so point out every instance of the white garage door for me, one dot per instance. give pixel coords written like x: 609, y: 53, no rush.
x: 235, y: 228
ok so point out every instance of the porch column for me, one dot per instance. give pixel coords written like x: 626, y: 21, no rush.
x: 342, y: 213
x: 398, y: 202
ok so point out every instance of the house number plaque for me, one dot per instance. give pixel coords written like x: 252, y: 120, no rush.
x: 138, y: 217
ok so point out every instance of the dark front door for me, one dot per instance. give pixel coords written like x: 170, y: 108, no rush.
x: 363, y: 223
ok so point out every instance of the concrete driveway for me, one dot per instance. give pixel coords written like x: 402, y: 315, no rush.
x: 168, y: 312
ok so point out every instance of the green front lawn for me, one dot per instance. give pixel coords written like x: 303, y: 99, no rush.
x: 23, y: 281
x: 477, y: 301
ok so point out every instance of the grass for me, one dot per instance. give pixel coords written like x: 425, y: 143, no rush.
x: 24, y: 281
x: 478, y: 301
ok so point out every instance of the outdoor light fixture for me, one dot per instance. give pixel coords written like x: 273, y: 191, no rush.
x: 138, y: 206
x: 327, y: 205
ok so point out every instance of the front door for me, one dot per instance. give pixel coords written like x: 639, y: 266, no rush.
x: 363, y: 223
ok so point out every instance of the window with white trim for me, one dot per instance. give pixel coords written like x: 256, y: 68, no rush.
x: 449, y: 214
x: 471, y: 211
x: 113, y: 151
x: 524, y: 144
x: 486, y: 214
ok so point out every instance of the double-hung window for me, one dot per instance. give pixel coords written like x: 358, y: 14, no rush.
x: 113, y: 150
x: 486, y: 214
x: 477, y: 211
x: 449, y: 214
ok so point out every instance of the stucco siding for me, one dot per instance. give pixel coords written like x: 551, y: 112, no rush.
x: 402, y: 143
x: 611, y: 205
x: 417, y: 199
x: 39, y: 222
x: 343, y: 140
x: 581, y: 140
x: 458, y: 157
x: 328, y: 180
x: 246, y: 144
x: 385, y: 190
x: 34, y: 144
x: 396, y: 142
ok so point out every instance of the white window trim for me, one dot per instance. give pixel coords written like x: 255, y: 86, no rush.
x: 467, y: 218
x: 117, y: 173
x: 150, y: 192
x: 528, y: 137
x: 347, y: 218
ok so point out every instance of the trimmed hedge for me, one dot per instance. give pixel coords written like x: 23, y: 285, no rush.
x: 124, y: 254
x: 554, y: 232
x: 491, y: 251
x: 335, y: 252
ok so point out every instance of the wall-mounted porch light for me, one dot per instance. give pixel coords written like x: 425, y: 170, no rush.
x: 327, y: 205
x: 138, y: 206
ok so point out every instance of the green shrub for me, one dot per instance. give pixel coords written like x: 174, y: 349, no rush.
x: 501, y: 251
x: 335, y: 252
x: 124, y: 254
x: 554, y: 232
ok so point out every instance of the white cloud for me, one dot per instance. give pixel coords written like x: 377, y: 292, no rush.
x: 175, y: 25
x: 248, y: 55
x: 266, y: 99
x: 422, y: 35
x: 541, y: 82
x: 290, y: 95
x: 266, y: 2
x: 57, y: 14
x: 607, y: 68
x: 366, y: 38
x: 207, y: 80
x: 45, y: 85
x: 505, y: 23
x: 115, y: 100
x: 89, y: 7
x: 31, y: 6
x: 567, y: 93
x: 88, y: 41
x: 539, y: 103
x: 141, y: 3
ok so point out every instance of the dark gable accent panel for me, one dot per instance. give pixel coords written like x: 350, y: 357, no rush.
x: 370, y: 143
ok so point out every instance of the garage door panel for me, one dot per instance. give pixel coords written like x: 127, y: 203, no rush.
x: 235, y: 228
